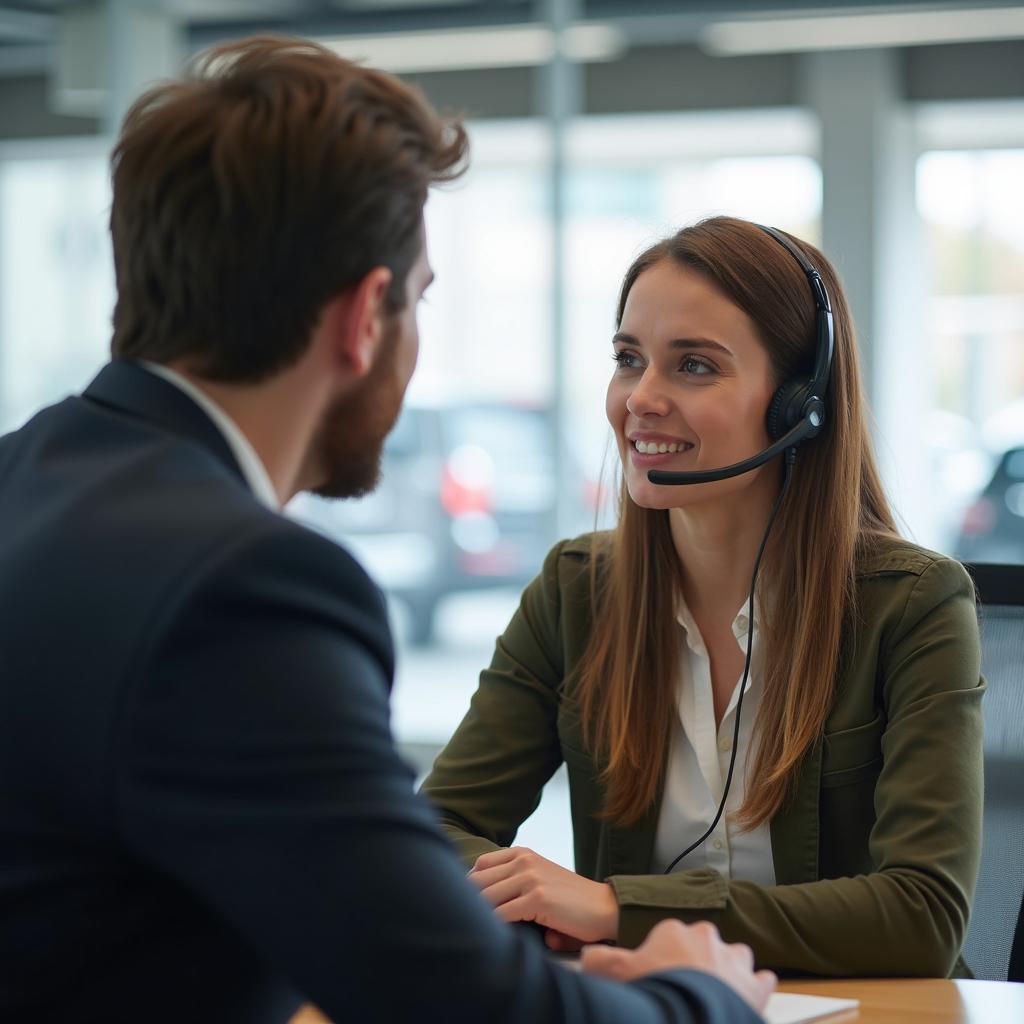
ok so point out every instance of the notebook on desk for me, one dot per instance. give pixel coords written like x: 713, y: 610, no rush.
x: 791, y: 1008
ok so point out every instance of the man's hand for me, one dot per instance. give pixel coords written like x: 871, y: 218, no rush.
x: 672, y: 945
x: 523, y: 886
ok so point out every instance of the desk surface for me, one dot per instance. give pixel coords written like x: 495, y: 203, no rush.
x: 920, y: 1000
x: 890, y: 1001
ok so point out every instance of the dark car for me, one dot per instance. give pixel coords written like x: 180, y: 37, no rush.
x: 465, y: 501
x: 992, y: 529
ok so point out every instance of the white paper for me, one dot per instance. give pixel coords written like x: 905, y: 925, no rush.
x: 790, y: 1008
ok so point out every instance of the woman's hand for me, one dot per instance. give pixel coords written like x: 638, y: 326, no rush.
x: 523, y: 886
x: 561, y: 943
x: 671, y: 945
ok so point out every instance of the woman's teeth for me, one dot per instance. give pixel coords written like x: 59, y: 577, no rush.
x: 660, y: 447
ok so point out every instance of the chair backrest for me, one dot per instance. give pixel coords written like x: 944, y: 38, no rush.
x: 998, y: 911
x: 1016, y: 971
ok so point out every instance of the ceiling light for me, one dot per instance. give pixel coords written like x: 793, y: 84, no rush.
x: 855, y: 31
x: 462, y: 49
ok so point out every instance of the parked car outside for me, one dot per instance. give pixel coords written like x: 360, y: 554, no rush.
x: 992, y: 528
x: 465, y: 501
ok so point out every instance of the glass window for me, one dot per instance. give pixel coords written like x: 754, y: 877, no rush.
x: 973, y: 211
x: 56, y: 279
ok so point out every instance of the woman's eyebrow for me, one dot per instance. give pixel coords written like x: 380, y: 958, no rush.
x: 685, y: 343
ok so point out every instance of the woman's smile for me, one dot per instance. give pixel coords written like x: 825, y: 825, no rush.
x: 651, y: 449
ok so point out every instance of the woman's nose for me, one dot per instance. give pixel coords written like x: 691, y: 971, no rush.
x: 648, y: 398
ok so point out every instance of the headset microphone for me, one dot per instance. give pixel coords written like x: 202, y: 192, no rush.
x: 804, y: 429
x: 796, y: 413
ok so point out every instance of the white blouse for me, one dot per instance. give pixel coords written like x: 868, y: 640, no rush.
x: 699, y: 762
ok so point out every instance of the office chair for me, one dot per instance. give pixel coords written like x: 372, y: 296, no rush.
x: 1016, y: 969
x: 994, y: 946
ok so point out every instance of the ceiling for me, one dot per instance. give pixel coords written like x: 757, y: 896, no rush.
x: 29, y: 28
x: 33, y: 22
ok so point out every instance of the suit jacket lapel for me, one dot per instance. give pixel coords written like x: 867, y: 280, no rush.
x: 130, y: 389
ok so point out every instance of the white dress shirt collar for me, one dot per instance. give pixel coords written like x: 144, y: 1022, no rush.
x: 740, y: 624
x: 249, y: 462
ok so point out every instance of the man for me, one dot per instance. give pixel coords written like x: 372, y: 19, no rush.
x: 202, y: 815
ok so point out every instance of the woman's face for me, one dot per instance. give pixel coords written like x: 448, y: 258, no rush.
x: 690, y: 388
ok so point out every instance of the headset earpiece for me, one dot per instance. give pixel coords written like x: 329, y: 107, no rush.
x: 792, y: 403
x: 785, y: 407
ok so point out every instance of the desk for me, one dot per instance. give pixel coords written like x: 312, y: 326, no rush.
x: 889, y: 1001
x: 920, y: 1000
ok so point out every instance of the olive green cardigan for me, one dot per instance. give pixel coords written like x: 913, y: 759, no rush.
x: 876, y: 855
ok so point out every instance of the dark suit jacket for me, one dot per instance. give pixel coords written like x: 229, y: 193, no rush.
x: 202, y: 814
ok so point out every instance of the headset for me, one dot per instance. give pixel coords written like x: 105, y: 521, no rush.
x: 795, y: 414
x: 797, y: 409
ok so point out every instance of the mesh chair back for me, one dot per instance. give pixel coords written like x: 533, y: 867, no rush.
x: 1016, y: 971
x: 998, y: 899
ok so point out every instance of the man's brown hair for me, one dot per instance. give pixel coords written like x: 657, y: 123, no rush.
x: 253, y: 191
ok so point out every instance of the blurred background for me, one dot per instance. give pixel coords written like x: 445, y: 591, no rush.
x: 892, y: 134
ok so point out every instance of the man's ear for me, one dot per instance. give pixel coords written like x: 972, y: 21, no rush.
x: 357, y: 317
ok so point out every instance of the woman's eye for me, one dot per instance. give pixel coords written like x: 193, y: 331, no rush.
x: 624, y: 359
x: 694, y: 365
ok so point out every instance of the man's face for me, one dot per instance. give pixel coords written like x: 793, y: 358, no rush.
x: 351, y: 437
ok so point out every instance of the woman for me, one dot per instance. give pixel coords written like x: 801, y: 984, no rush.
x: 850, y: 837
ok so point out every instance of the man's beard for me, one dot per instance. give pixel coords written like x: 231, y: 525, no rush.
x: 350, y: 440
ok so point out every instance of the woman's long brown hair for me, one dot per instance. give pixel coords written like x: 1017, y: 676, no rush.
x: 835, y: 508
